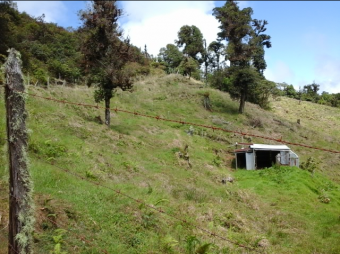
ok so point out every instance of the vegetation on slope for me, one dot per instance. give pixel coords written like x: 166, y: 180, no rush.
x: 276, y: 210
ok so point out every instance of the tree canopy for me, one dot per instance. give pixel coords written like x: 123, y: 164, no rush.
x: 191, y: 38
x: 171, y: 56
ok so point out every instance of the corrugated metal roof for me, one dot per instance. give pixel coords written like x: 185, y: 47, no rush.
x: 269, y: 147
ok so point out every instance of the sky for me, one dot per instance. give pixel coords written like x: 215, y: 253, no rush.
x: 305, y: 35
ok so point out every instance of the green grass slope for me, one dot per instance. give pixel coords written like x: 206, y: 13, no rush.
x: 80, y: 168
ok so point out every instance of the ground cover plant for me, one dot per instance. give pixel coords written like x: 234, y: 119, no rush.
x: 72, y: 153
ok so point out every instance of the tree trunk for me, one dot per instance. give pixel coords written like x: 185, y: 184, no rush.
x: 107, y: 111
x: 242, y: 102
x: 21, y: 211
x: 206, y: 74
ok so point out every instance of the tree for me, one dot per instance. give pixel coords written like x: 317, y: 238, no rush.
x: 247, y: 79
x: 237, y: 31
x: 189, y: 66
x: 192, y: 39
x: 290, y: 91
x: 105, y: 53
x: 310, y: 92
x: 245, y: 44
x: 171, y: 56
x: 8, y: 17
x: 217, y: 48
x: 208, y: 60
x: 260, y: 40
x: 262, y: 91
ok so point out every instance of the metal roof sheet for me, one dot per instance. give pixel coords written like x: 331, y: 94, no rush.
x: 269, y: 147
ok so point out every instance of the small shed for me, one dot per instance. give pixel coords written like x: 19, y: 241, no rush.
x: 257, y: 156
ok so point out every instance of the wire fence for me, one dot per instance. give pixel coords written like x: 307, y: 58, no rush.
x: 57, y: 225
x: 159, y: 209
x: 184, y: 123
x: 139, y: 201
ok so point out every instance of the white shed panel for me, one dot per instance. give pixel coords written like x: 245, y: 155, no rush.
x: 284, y: 160
x: 250, y: 161
x: 269, y: 147
x: 294, y: 159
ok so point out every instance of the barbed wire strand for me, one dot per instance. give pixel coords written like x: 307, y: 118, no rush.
x: 159, y: 210
x: 183, y: 122
x: 2, y: 229
x: 8, y: 244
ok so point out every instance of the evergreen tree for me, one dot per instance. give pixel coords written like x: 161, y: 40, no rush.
x: 260, y: 41
x: 189, y: 66
x: 105, y: 53
x: 171, y: 56
x: 191, y: 38
x: 245, y: 46
x: 217, y: 48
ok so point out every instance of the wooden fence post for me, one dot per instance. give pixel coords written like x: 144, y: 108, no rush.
x: 21, y: 207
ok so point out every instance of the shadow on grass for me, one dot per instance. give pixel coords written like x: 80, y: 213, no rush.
x: 221, y: 106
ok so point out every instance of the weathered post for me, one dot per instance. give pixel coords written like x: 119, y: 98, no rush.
x: 21, y: 207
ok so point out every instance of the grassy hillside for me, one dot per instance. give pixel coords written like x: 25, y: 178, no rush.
x: 276, y: 210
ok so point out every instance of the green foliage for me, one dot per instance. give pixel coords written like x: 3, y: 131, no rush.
x: 217, y: 48
x: 243, y: 84
x: 58, y: 240
x: 48, y: 148
x: 245, y: 47
x: 169, y: 243
x: 191, y: 38
x: 262, y: 92
x: 189, y: 66
x: 310, y: 165
x: 171, y: 57
x: 40, y: 75
x: 259, y: 41
x: 310, y: 92
x: 290, y: 91
x: 193, y: 246
x: 46, y: 49
x: 191, y: 243
x: 105, y: 53
x: 282, y: 204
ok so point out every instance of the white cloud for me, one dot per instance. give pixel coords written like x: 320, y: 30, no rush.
x: 327, y: 73
x: 281, y: 72
x: 157, y: 23
x: 54, y: 10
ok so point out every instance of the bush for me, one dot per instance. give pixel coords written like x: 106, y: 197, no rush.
x: 310, y: 165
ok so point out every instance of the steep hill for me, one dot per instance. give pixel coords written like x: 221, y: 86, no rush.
x: 127, y: 189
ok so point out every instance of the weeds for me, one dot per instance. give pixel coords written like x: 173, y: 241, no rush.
x: 58, y: 240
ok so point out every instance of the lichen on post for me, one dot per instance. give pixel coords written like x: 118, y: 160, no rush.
x: 21, y: 205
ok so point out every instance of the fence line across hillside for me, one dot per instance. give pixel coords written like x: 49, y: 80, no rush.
x: 183, y: 122
x: 158, y: 210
